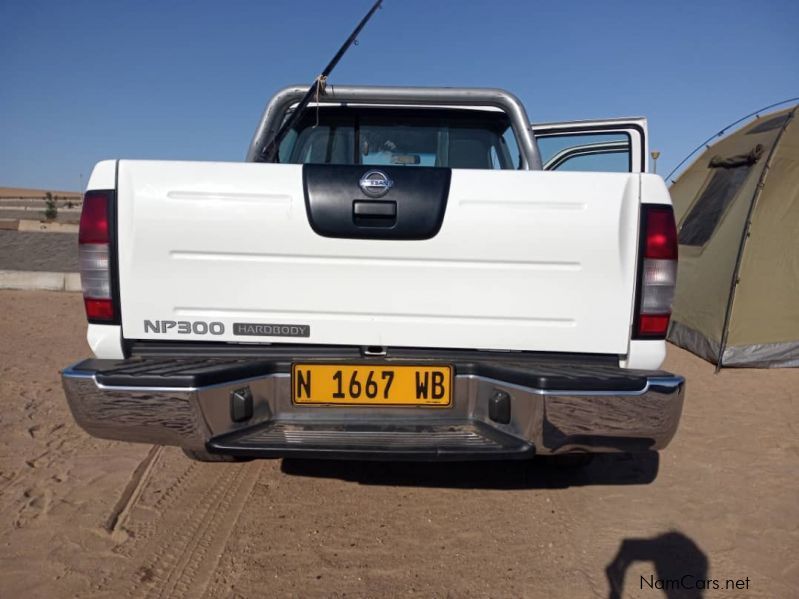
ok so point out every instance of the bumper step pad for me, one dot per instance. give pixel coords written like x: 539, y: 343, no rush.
x: 200, y: 371
x: 469, y: 440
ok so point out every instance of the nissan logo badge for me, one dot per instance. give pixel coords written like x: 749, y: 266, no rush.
x: 375, y: 184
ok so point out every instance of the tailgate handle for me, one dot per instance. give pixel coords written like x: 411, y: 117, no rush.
x: 374, y: 214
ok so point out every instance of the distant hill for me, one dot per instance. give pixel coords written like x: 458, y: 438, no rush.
x: 22, y: 192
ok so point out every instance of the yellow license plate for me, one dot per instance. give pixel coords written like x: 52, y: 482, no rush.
x: 371, y: 384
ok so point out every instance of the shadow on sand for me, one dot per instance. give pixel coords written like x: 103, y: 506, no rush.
x: 609, y: 469
x: 679, y: 565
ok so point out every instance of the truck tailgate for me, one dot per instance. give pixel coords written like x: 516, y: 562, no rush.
x: 524, y: 260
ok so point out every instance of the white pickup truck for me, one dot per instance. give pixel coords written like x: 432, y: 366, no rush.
x: 417, y: 273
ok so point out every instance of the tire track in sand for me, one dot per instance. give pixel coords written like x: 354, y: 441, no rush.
x: 180, y: 550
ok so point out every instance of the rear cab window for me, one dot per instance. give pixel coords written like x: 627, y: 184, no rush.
x: 412, y: 137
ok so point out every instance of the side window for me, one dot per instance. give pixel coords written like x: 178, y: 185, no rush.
x: 496, y: 164
x: 287, y: 146
x: 508, y: 141
x: 504, y: 152
x: 595, y: 152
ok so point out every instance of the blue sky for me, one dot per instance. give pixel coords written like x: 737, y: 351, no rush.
x: 84, y: 81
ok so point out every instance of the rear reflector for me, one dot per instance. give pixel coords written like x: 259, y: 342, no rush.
x: 99, y: 309
x: 653, y: 324
x: 94, y: 254
x: 658, y: 272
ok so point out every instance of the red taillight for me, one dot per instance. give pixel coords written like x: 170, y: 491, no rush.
x: 94, y: 251
x: 94, y: 218
x: 658, y: 271
x: 661, y: 233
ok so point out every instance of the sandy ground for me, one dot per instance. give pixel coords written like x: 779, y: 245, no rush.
x: 53, y: 252
x: 722, y: 502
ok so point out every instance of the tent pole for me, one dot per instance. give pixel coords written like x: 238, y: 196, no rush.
x: 744, y: 236
x: 705, y: 143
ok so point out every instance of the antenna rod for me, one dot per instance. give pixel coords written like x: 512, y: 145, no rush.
x: 269, y: 153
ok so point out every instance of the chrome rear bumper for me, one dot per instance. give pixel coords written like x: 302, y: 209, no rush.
x: 540, y: 421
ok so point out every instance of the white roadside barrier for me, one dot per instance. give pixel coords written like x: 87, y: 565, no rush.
x: 37, y: 226
x: 39, y: 280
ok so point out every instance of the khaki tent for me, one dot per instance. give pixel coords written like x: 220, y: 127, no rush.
x: 737, y: 211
